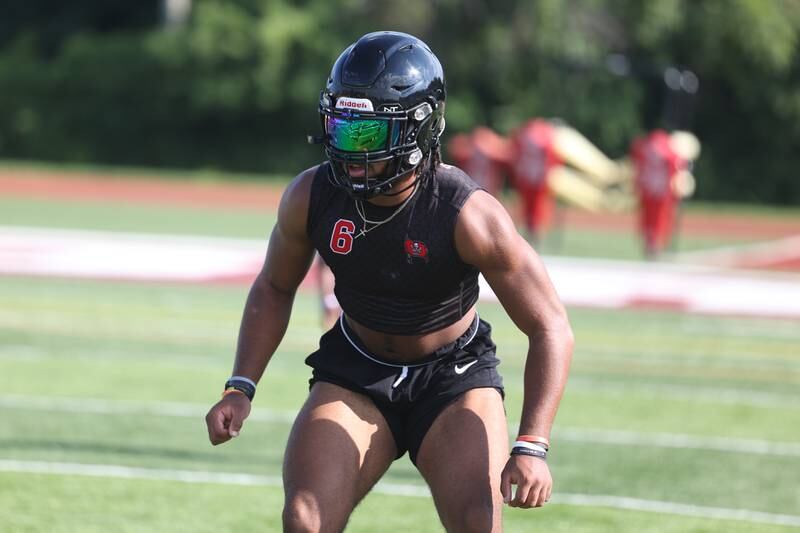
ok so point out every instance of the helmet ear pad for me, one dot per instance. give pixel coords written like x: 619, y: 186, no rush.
x: 431, y: 129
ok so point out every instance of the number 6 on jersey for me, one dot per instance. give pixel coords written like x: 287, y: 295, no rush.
x: 342, y: 236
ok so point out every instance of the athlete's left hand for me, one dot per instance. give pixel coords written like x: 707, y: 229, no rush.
x: 532, y: 477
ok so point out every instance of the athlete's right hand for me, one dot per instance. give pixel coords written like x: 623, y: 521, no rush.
x: 225, y: 419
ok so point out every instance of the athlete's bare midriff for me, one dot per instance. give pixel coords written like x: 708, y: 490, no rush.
x: 410, y: 348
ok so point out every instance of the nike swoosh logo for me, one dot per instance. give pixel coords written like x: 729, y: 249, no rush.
x: 461, y: 369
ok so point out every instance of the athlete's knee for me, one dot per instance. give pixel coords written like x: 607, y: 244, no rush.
x: 301, y: 513
x: 477, y: 516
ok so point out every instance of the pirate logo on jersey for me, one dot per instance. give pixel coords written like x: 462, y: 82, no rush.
x: 416, y: 251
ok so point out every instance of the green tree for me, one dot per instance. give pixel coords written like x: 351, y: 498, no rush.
x: 237, y: 86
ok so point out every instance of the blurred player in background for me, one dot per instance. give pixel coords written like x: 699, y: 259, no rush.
x: 661, y: 178
x: 484, y: 155
x: 534, y: 157
x: 409, y: 366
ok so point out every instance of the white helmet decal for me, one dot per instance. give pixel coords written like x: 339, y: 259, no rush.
x: 359, y: 104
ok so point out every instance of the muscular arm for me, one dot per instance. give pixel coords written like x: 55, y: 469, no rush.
x: 269, y: 303
x: 486, y: 237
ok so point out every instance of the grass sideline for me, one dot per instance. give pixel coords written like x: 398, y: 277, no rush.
x: 204, y: 175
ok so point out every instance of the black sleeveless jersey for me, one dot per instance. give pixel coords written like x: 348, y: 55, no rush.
x: 404, y: 277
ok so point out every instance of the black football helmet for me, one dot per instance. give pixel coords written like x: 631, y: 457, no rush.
x: 384, y: 101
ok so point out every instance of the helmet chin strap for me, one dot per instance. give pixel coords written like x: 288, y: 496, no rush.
x: 390, y: 186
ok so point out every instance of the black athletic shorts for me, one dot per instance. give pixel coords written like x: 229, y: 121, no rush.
x: 409, y: 396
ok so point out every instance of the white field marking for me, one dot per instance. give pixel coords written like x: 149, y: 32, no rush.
x: 760, y: 253
x: 114, y: 407
x: 127, y: 256
x: 21, y: 352
x: 597, y: 436
x: 390, y: 489
x: 732, y: 358
x: 580, y: 282
x: 688, y: 392
x: 768, y: 328
x: 36, y: 233
x: 679, y: 440
x: 599, y: 283
x: 692, y: 288
x: 674, y: 508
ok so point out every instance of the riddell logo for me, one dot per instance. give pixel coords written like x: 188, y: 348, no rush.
x: 362, y: 104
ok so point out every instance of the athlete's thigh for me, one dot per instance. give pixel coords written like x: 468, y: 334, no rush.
x: 340, y: 445
x: 461, y: 458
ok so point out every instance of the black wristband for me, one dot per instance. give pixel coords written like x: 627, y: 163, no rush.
x: 519, y: 450
x: 242, y: 386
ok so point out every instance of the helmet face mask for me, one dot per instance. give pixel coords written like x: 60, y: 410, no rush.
x: 383, y: 106
x: 357, y: 142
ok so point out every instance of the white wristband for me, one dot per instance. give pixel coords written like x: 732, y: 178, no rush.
x: 529, y: 445
x: 242, y: 378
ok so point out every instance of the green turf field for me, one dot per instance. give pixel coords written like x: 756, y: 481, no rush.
x: 121, y: 375
x: 695, y: 418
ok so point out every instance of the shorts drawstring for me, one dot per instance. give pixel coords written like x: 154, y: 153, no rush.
x: 399, y: 380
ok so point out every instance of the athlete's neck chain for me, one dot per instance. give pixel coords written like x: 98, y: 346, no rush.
x: 379, y: 223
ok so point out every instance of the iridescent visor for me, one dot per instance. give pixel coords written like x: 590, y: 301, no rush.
x: 357, y: 135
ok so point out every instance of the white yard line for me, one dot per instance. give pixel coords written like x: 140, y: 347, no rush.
x: 115, y: 407
x: 674, y: 508
x: 679, y: 440
x: 587, y: 435
x: 716, y: 395
x: 391, y: 489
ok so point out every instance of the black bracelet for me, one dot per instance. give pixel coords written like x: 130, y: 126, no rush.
x: 519, y: 450
x: 242, y: 386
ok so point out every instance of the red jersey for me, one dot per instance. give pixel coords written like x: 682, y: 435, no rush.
x: 656, y: 163
x: 535, y: 153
